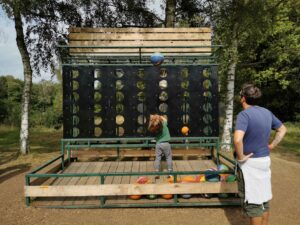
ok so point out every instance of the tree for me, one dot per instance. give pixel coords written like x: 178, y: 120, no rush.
x: 3, y: 97
x: 39, y: 16
x: 10, y: 100
x: 14, y: 10
x: 237, y: 23
x: 276, y: 65
x: 170, y: 13
x: 117, y: 13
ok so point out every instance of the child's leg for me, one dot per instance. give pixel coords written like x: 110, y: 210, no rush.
x: 158, y: 155
x: 168, y: 154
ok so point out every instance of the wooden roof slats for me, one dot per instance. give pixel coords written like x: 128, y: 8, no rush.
x: 136, y: 41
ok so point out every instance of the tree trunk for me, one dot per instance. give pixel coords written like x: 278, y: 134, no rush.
x: 228, y: 121
x: 24, y: 130
x: 170, y: 13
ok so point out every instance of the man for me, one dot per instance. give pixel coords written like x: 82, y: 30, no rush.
x: 251, y: 137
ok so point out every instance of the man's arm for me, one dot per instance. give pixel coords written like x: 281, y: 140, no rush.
x: 239, y: 147
x: 280, y: 132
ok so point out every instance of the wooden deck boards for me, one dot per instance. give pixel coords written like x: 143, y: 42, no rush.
x: 128, y: 153
x: 120, y: 166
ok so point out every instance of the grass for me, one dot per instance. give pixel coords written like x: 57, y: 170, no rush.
x: 46, y: 142
x: 290, y: 144
x: 44, y: 145
x: 42, y: 140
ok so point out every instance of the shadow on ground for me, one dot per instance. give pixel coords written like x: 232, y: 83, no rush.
x: 12, y: 171
x: 234, y: 216
x: 6, y: 157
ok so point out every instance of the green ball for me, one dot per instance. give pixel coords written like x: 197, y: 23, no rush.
x: 230, y: 178
x: 223, y: 195
x: 151, y: 197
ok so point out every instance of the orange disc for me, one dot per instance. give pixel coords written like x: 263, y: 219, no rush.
x: 184, y: 130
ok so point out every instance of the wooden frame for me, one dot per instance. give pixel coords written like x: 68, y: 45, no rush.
x: 135, y: 41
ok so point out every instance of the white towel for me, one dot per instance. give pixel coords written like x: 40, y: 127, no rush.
x: 257, y: 178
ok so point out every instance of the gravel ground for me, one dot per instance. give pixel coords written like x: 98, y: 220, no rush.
x: 285, y: 206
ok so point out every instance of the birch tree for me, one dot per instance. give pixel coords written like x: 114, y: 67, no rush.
x: 36, y: 47
x: 14, y: 10
x: 238, y: 25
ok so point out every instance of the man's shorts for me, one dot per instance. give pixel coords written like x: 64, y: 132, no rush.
x: 251, y: 210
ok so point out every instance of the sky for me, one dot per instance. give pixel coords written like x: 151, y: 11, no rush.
x: 10, y: 59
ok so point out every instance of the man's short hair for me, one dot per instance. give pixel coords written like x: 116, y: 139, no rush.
x: 251, y: 93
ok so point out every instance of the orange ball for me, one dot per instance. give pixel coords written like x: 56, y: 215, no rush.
x: 135, y: 197
x: 167, y: 196
x: 185, y: 130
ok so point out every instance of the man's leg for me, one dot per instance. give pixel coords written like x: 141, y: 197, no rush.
x: 256, y: 220
x: 259, y: 214
x: 266, y: 213
x: 265, y: 218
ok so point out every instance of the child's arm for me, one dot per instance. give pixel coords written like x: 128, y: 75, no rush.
x: 163, y: 118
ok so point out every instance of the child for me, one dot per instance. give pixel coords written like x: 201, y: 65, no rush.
x: 158, y: 126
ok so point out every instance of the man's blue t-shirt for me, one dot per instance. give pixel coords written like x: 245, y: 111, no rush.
x: 257, y: 123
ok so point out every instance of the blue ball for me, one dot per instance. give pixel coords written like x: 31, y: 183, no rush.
x: 223, y: 167
x: 156, y: 58
x: 212, y: 177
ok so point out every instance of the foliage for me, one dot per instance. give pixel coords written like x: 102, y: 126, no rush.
x: 10, y: 100
x: 273, y: 62
x: 46, y: 106
x: 268, y: 48
x: 111, y: 13
x: 42, y: 32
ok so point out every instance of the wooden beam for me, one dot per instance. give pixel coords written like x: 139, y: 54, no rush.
x: 140, y: 43
x: 136, y: 50
x: 141, y: 153
x: 129, y: 189
x: 140, y: 36
x: 140, y: 30
x: 134, y: 54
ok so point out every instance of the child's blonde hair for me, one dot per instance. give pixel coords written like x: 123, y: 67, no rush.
x: 155, y: 124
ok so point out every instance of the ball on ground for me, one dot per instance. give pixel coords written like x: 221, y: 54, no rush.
x: 223, y: 167
x: 186, y: 196
x: 151, y: 197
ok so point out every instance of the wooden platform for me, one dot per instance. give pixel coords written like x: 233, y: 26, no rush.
x: 84, y: 183
x: 127, y: 153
